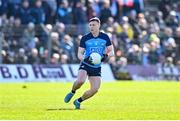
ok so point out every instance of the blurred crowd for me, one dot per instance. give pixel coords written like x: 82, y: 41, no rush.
x: 49, y: 31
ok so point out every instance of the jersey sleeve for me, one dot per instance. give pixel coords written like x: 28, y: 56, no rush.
x: 82, y: 42
x: 108, y: 41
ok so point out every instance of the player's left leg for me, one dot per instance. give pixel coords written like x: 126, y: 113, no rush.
x: 81, y: 78
x: 95, y: 82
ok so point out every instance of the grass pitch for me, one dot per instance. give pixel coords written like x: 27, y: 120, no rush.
x: 116, y: 100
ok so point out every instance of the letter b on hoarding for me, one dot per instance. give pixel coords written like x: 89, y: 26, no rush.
x: 5, y: 72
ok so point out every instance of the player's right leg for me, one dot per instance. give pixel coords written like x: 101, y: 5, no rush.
x: 81, y: 78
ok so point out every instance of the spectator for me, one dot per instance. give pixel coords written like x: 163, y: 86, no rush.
x: 60, y: 29
x: 96, y: 7
x: 159, y: 20
x: 24, y: 12
x: 169, y: 43
x: 37, y: 12
x: 105, y: 12
x: 17, y: 29
x: 8, y: 26
x: 43, y: 55
x: 9, y: 58
x: 172, y: 20
x: 142, y: 22
x: 21, y: 57
x: 64, y: 13
x: 126, y: 28
x: 13, y: 7
x: 79, y: 14
x: 80, y: 18
x: 52, y: 4
x: 3, y: 7
x: 132, y: 18
x: 64, y: 59
x: 90, y: 11
x: 54, y: 38
x: 170, y: 48
x: 153, y: 53
x: 115, y: 9
x: 49, y: 7
x: 33, y: 57
x: 68, y: 48
x: 134, y: 55
x: 55, y: 58
x: 44, y: 37
x: 28, y: 39
x: 164, y: 6
x: 168, y: 69
x: 145, y: 55
x: 108, y: 24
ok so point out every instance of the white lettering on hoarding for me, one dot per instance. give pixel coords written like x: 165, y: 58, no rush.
x: 32, y: 73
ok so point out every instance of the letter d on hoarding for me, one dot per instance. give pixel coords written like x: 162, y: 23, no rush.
x: 22, y: 72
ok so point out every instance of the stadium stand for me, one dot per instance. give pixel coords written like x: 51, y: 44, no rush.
x: 44, y: 31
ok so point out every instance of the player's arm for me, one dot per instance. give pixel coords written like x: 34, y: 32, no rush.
x: 81, y: 53
x: 110, y: 51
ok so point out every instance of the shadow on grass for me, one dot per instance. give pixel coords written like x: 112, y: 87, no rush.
x: 56, y: 109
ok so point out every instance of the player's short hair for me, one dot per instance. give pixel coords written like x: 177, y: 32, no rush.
x: 95, y: 19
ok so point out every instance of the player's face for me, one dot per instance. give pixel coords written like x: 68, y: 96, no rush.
x: 94, y: 26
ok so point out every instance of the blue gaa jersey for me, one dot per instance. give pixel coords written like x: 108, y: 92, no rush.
x: 94, y: 44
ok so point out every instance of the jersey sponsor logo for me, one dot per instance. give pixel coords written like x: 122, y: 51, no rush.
x: 96, y: 49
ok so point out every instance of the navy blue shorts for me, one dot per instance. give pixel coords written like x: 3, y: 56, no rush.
x: 90, y: 70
